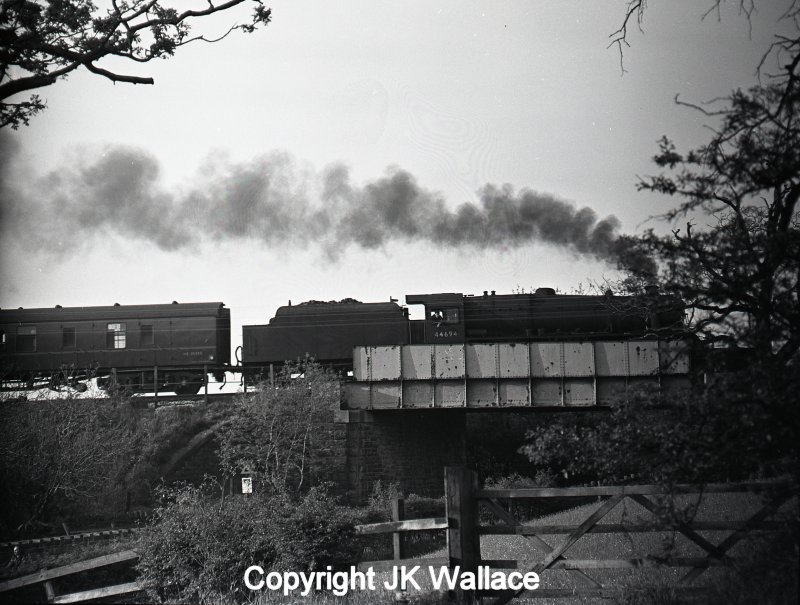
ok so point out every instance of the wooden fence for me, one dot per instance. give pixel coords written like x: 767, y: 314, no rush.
x: 467, y: 505
x: 398, y: 527
x: 47, y: 578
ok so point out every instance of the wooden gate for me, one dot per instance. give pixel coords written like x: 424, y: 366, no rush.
x: 473, y: 513
x: 552, y: 554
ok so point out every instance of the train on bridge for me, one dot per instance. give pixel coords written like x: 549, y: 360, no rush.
x: 173, y: 347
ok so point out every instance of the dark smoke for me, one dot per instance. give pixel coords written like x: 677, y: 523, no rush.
x: 273, y: 200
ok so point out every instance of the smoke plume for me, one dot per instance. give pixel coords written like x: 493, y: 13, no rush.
x: 274, y: 200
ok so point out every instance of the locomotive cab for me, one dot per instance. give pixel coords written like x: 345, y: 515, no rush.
x: 444, y: 316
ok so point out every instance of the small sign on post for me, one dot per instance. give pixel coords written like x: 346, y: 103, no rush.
x: 247, y: 485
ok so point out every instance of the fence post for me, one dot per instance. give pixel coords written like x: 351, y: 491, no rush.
x: 398, y: 514
x: 205, y: 384
x: 463, y: 541
x: 49, y: 591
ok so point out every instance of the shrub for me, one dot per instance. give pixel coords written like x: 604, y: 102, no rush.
x: 198, y: 546
x: 725, y: 430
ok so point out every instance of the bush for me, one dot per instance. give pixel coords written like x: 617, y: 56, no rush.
x: 198, y: 546
x: 277, y: 434
x: 738, y: 426
x: 766, y: 574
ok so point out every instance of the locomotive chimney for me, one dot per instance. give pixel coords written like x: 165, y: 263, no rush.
x: 492, y: 292
x: 486, y: 292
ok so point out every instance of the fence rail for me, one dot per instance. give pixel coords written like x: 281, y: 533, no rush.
x: 69, y: 538
x: 47, y: 577
x: 398, y: 527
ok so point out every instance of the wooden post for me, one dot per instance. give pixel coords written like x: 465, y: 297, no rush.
x: 398, y: 514
x: 463, y: 541
x: 205, y: 383
x: 155, y: 384
x: 50, y: 591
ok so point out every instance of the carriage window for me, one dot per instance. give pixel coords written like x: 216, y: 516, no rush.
x: 445, y: 316
x: 146, y: 336
x: 68, y: 338
x: 26, y: 339
x: 115, y: 336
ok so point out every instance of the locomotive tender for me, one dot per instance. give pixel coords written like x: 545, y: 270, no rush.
x: 170, y: 347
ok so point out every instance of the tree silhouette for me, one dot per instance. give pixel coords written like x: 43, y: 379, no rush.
x: 735, y: 260
x: 41, y: 42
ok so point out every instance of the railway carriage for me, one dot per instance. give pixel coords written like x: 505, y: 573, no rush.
x: 141, y: 346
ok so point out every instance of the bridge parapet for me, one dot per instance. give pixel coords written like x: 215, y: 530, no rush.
x: 531, y: 375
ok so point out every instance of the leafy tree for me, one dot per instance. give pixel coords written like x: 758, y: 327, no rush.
x: 735, y: 260
x: 276, y: 432
x: 733, y: 257
x: 744, y: 426
x: 42, y: 41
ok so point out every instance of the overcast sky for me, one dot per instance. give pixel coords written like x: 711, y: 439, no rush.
x: 356, y: 149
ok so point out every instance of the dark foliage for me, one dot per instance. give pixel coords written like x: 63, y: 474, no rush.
x: 85, y: 462
x: 198, y: 546
x: 58, y: 455
x: 736, y: 260
x: 739, y: 426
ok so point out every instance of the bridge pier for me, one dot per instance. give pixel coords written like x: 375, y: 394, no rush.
x: 406, y: 447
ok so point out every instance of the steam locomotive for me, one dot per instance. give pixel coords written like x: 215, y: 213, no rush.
x: 171, y: 347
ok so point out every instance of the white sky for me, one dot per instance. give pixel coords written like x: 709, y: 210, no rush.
x: 458, y: 93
